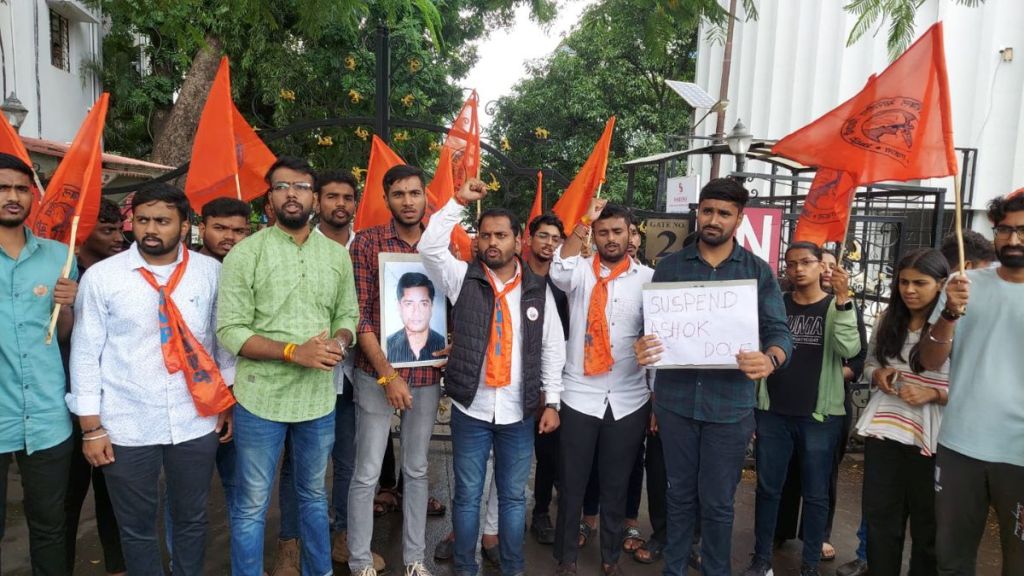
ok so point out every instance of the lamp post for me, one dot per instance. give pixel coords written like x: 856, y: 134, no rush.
x: 14, y: 111
x: 739, y: 142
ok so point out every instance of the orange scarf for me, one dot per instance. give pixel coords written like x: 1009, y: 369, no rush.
x: 183, y: 352
x: 597, y: 346
x: 499, y: 347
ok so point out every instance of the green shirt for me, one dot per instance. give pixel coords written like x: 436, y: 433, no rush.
x: 33, y: 415
x: 271, y: 287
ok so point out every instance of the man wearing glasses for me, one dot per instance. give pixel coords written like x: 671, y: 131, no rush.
x: 980, y: 460
x: 287, y: 308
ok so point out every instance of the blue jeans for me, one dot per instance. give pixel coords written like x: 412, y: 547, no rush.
x: 862, y: 539
x: 258, y: 446
x: 343, y: 456
x: 815, y: 443
x: 472, y: 441
x: 703, y: 464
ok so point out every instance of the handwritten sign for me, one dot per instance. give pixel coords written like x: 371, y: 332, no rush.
x: 702, y: 324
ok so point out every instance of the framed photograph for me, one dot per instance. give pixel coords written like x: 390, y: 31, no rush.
x: 413, y: 323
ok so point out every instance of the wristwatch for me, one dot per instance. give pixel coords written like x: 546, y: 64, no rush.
x: 775, y: 361
x: 556, y: 406
x: 845, y: 307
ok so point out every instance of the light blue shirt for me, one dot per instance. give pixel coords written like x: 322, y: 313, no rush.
x: 33, y: 415
x: 985, y: 415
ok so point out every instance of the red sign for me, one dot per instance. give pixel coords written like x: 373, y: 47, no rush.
x: 761, y: 233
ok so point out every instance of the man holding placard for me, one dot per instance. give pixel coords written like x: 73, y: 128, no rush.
x: 706, y: 416
x: 606, y: 399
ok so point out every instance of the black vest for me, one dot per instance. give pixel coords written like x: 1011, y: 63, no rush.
x: 471, y: 323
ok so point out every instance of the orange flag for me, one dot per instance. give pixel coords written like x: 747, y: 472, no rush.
x: 228, y: 158
x: 10, y: 143
x: 897, y: 128
x: 464, y: 142
x: 538, y: 200
x: 574, y: 201
x: 440, y: 190
x: 373, y: 209
x: 74, y: 190
x: 826, y: 208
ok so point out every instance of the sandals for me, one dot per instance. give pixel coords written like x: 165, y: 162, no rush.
x: 631, y: 535
x: 828, y: 552
x: 586, y: 530
x: 650, y: 552
x: 386, y: 501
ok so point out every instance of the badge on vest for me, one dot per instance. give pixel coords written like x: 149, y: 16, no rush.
x: 532, y: 314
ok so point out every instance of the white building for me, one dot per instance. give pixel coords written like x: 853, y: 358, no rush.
x: 792, y: 65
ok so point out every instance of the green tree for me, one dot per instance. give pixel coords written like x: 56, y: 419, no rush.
x: 291, y: 60
x: 605, y: 66
x: 899, y: 14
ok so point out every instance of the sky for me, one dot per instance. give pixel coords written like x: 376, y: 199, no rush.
x: 504, y: 53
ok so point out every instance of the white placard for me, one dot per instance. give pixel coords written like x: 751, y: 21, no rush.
x: 702, y: 324
x: 680, y: 192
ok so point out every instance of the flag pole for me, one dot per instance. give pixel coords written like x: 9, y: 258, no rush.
x: 958, y: 212
x: 65, y: 272
x: 238, y: 187
x: 846, y: 228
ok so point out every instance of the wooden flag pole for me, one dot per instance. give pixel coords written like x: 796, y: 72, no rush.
x: 958, y: 212
x: 238, y: 187
x: 66, y: 272
x: 846, y: 229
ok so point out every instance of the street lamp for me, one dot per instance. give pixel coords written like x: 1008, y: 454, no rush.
x: 739, y: 142
x: 14, y: 111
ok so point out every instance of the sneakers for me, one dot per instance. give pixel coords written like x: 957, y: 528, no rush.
x: 287, y: 561
x: 806, y: 570
x: 856, y: 567
x: 758, y: 567
x: 368, y: 571
x: 542, y: 529
x: 417, y: 569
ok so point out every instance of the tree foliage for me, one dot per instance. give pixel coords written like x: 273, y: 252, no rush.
x: 605, y: 66
x: 900, y: 15
x: 294, y: 60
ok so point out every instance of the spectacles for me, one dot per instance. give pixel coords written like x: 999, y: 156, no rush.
x: 286, y: 186
x: 1004, y: 232
x: 544, y: 237
x: 5, y: 188
x: 806, y: 262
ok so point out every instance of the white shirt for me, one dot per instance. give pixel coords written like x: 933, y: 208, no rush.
x: 117, y: 366
x: 344, y: 370
x: 624, y: 387
x: 498, y: 405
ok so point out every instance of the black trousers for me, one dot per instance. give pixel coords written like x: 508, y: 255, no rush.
x: 657, y: 484
x: 965, y: 488
x: 592, y: 498
x: 133, y: 479
x: 899, y: 484
x: 80, y: 476
x: 545, y: 447
x: 617, y: 441
x: 44, y: 475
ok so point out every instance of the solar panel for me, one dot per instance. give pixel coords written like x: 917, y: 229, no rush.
x: 694, y: 95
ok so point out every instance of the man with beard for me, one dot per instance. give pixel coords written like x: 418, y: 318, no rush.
x: 380, y: 389
x: 606, y: 398
x: 546, y: 235
x: 281, y: 287
x: 633, y: 249
x: 503, y: 314
x: 106, y: 240
x: 980, y: 459
x: 34, y: 424
x: 224, y: 223
x: 133, y: 392
x: 706, y: 417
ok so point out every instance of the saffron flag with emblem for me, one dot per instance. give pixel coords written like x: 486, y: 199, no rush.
x: 373, y: 208
x: 463, y: 141
x: 574, y: 201
x: 826, y: 208
x: 228, y: 158
x: 74, y: 190
x: 439, y: 192
x: 897, y: 128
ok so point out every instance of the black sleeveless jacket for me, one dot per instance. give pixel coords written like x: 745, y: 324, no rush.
x: 471, y: 323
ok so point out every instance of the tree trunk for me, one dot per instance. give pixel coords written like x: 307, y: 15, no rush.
x: 173, y: 135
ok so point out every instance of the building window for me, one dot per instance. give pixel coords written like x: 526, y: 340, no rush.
x: 60, y: 45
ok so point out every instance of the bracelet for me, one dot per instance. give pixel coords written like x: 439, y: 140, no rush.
x: 289, y: 352
x: 950, y: 316
x: 936, y: 340
x: 104, y: 435
x: 385, y: 380
x: 91, y: 430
